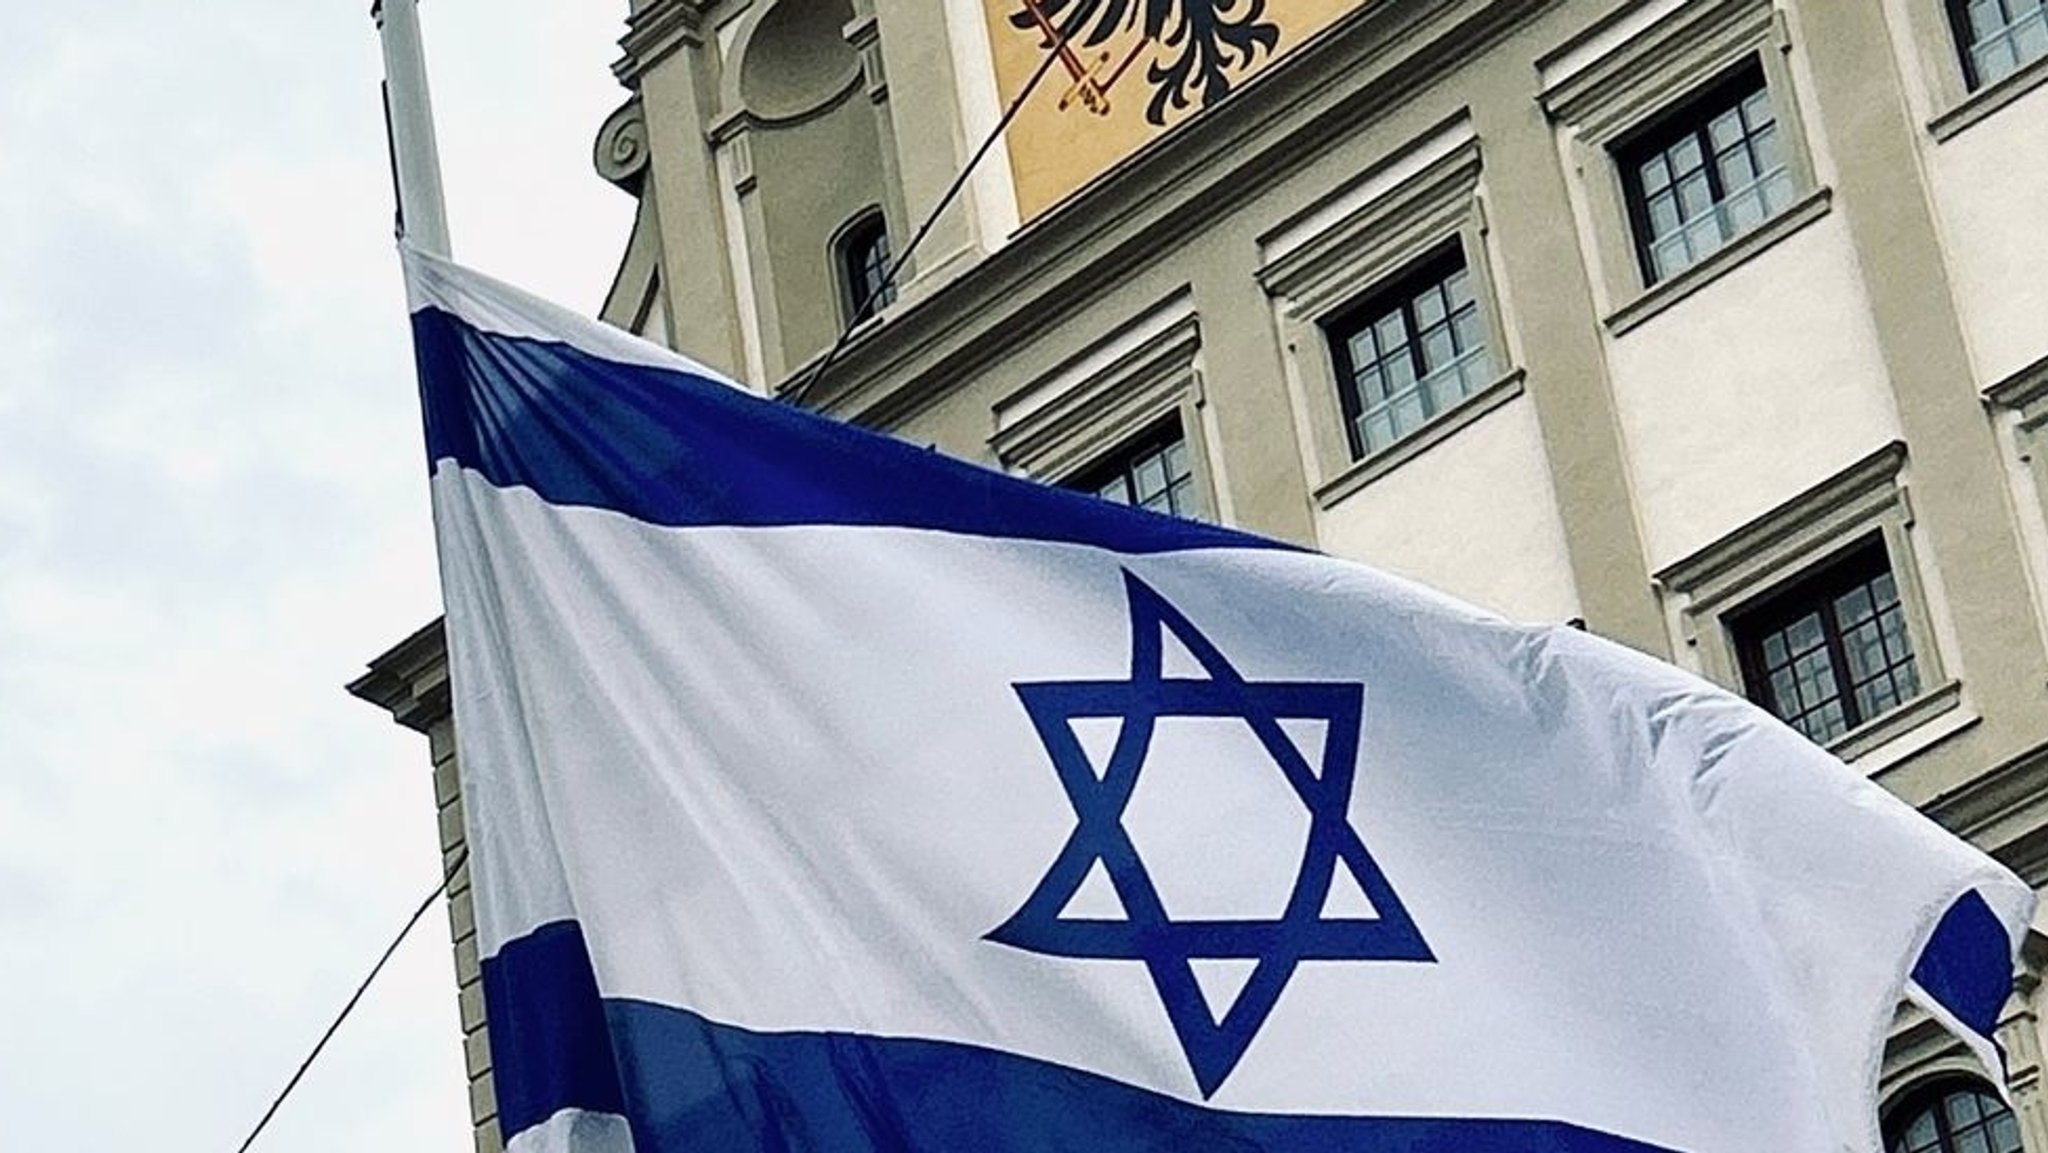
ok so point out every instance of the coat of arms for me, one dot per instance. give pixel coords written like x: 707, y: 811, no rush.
x: 1193, y: 49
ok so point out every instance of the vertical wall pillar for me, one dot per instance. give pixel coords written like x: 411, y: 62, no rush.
x: 865, y: 35
x: 917, y: 50
x: 668, y: 63
x: 1529, y: 214
x: 2019, y: 1034
x: 1957, y: 475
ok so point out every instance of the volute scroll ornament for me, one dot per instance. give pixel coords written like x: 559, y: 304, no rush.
x: 621, y: 151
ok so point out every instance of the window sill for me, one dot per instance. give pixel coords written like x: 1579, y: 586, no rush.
x: 1869, y: 737
x: 1670, y: 291
x: 1988, y: 100
x: 1442, y: 428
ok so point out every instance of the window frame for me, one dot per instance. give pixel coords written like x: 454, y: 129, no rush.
x: 1958, y: 99
x: 1142, y: 373
x: 858, y: 238
x: 1747, y: 570
x: 1397, y: 295
x: 1120, y: 463
x: 1605, y: 104
x: 1958, y: 15
x: 1346, y: 249
x: 1932, y: 1097
x: 1813, y: 592
x: 1690, y: 118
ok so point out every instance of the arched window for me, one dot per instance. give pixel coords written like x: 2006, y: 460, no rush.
x: 864, y: 266
x: 1953, y: 1116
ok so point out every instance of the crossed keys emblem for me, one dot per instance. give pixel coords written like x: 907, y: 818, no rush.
x: 1199, y: 48
x: 1090, y: 88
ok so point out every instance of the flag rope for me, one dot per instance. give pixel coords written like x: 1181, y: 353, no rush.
x: 353, y: 1000
x: 797, y: 393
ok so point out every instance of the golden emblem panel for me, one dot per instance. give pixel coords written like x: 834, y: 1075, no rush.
x: 1125, y: 72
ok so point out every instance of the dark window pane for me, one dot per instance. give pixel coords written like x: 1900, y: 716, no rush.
x: 1832, y: 651
x: 1155, y: 472
x: 1409, y: 354
x: 864, y: 268
x: 1429, y: 307
x: 1998, y: 39
x: 1712, y: 171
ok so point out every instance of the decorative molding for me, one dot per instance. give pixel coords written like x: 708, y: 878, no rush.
x: 1323, y: 258
x: 1874, y: 735
x: 865, y: 34
x: 656, y: 31
x: 1138, y: 375
x: 2004, y: 810
x: 1442, y: 427
x: 828, y: 94
x: 1989, y: 99
x: 1844, y: 503
x: 1650, y: 59
x: 2025, y: 391
x: 1717, y: 583
x: 730, y: 136
x: 410, y: 680
x: 1731, y: 256
x: 620, y: 154
x: 1351, y: 74
x: 844, y: 89
x: 1348, y: 244
x: 1673, y: 55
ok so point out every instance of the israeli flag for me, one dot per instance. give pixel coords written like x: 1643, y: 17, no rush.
x: 825, y: 793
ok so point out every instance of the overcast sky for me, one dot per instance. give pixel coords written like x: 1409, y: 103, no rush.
x: 212, y: 513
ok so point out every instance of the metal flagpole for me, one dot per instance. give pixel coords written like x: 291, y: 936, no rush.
x: 409, y: 121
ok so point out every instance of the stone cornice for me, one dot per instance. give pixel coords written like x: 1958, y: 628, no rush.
x: 410, y: 680
x: 655, y: 31
x: 2004, y: 810
x: 1362, y: 67
x: 2023, y: 390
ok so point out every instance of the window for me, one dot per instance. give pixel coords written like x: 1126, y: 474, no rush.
x: 1956, y: 1117
x: 1707, y: 173
x: 864, y: 259
x: 1154, y: 472
x: 1834, y: 650
x: 1409, y: 353
x: 1998, y: 36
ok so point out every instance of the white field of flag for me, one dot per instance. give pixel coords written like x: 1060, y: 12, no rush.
x: 827, y: 793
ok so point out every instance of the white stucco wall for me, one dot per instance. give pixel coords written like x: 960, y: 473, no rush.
x: 1474, y: 516
x: 1990, y: 186
x: 1755, y: 388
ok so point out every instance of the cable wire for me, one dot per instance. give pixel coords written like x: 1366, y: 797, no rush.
x: 797, y: 393
x: 348, y: 1008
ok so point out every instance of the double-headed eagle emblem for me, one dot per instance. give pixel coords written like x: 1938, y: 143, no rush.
x: 1198, y: 48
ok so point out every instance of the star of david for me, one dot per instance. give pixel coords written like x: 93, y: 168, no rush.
x: 1304, y: 932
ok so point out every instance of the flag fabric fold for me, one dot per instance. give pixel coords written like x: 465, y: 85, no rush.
x: 824, y: 792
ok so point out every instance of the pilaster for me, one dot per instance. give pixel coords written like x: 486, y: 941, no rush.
x: 865, y: 35
x: 1545, y: 275
x: 668, y: 63
x: 929, y: 142
x: 1957, y: 473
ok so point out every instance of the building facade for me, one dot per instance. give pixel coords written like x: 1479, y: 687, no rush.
x: 1719, y: 327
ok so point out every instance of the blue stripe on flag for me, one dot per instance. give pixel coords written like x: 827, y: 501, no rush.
x: 550, y: 1049
x: 1967, y: 964
x: 692, y: 1084
x: 671, y: 448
